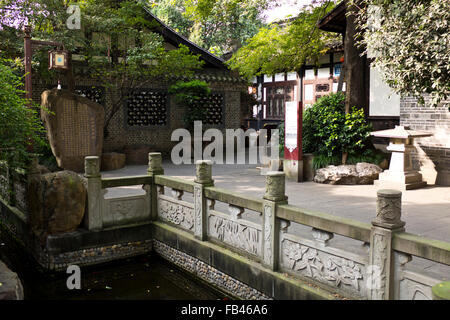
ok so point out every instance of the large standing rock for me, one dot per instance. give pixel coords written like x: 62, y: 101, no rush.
x: 74, y: 127
x: 56, y: 203
x: 11, y: 287
x: 361, y: 173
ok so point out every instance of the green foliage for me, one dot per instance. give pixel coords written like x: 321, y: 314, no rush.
x: 410, y: 43
x: 116, y: 44
x: 20, y: 126
x: 190, y: 96
x: 329, y: 132
x: 217, y: 25
x: 279, y: 48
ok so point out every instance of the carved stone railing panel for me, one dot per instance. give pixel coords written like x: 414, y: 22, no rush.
x: 126, y: 210
x: 332, y: 266
x: 234, y: 231
x: 178, y: 212
x: 410, y: 285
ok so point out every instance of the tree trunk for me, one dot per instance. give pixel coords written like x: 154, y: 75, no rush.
x: 355, y: 69
x: 355, y: 66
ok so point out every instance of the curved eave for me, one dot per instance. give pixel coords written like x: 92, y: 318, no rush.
x: 176, y: 39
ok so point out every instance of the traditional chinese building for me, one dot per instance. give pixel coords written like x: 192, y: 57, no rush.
x: 149, y: 116
x: 387, y: 109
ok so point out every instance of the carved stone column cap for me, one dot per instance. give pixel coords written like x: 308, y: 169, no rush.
x: 275, y: 186
x: 203, y: 162
x: 92, y: 166
x: 155, y: 163
x: 389, y: 209
x: 275, y: 173
x: 389, y: 193
x: 204, y: 172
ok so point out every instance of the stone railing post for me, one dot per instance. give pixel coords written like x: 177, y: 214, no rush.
x: 94, y: 218
x: 275, y: 194
x: 154, y: 168
x: 380, y: 281
x: 203, y: 178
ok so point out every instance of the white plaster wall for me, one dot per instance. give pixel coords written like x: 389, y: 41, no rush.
x: 383, y: 102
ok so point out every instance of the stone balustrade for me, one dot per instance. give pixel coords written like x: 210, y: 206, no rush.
x: 377, y: 271
x: 265, y: 235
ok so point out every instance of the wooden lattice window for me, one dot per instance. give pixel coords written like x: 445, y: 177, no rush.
x: 214, y: 105
x: 147, y: 107
x: 95, y: 94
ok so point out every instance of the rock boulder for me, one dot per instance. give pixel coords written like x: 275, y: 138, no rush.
x: 74, y: 126
x: 361, y: 173
x: 56, y: 203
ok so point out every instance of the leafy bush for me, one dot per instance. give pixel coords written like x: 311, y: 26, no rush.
x: 20, y: 126
x: 190, y: 96
x: 328, y: 132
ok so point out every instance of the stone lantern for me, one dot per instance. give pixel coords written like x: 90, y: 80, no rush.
x: 400, y: 174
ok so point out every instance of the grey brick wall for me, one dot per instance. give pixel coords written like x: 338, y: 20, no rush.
x: 158, y: 137
x: 432, y: 154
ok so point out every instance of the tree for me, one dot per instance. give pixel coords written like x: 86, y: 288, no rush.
x: 280, y: 48
x: 19, y: 124
x: 220, y: 26
x: 191, y: 95
x: 116, y: 45
x: 409, y: 42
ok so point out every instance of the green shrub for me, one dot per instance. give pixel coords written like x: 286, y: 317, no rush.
x: 328, y: 132
x: 190, y: 95
x: 20, y: 126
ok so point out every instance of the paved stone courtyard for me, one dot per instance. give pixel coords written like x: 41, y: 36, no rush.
x: 426, y: 211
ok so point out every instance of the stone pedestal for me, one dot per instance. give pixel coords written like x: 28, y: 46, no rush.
x: 275, y: 195
x: 203, y: 178
x: 113, y: 161
x: 401, y: 174
x: 293, y: 169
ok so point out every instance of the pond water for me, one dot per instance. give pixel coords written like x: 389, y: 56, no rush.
x: 144, y: 277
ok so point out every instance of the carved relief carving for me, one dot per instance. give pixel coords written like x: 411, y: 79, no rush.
x: 267, y: 233
x: 120, y: 209
x: 322, y: 266
x: 379, y: 260
x: 235, y: 234
x: 176, y: 213
x: 198, y: 193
